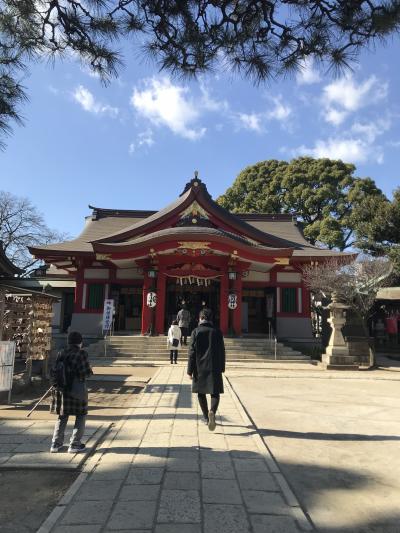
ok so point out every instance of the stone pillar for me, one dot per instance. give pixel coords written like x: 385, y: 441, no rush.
x: 237, y: 313
x: 223, y: 303
x: 337, y: 351
x: 160, y: 308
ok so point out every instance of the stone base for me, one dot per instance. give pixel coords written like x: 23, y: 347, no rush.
x: 341, y: 367
x: 344, y: 362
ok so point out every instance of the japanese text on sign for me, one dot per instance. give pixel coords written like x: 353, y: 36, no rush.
x: 151, y: 299
x: 232, y: 301
x: 108, y: 313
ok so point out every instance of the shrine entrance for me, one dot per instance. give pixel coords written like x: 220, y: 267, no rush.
x: 259, y: 310
x: 195, y: 297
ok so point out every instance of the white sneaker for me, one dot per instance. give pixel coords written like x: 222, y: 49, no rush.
x: 211, y: 421
x: 55, y: 449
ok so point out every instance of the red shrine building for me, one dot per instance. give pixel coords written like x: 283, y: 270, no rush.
x: 245, y: 267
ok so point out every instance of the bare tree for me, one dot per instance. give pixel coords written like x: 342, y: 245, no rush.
x: 21, y: 225
x: 355, y: 284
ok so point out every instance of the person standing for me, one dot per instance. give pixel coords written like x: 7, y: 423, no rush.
x: 206, y: 364
x: 70, y: 396
x: 174, y: 341
x: 183, y: 318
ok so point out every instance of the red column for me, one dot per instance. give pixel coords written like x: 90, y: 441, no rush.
x: 146, y: 311
x: 78, y: 298
x: 160, y: 309
x: 237, y: 313
x: 223, y: 303
x: 306, y: 301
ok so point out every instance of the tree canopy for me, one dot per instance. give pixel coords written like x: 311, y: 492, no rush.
x: 260, y: 39
x: 21, y: 225
x: 324, y: 194
x: 378, y: 227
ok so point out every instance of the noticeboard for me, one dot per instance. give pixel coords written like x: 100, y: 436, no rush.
x: 7, y: 357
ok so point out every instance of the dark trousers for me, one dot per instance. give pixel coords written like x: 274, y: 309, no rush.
x: 184, y: 333
x: 173, y: 355
x: 204, y: 406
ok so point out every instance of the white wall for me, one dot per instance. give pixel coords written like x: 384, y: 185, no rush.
x: 287, y: 327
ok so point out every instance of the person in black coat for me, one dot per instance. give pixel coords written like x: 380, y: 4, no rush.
x: 206, y: 365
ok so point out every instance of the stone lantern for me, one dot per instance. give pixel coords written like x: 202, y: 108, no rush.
x: 337, y: 351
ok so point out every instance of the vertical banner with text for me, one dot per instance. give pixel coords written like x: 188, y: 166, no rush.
x: 108, y: 314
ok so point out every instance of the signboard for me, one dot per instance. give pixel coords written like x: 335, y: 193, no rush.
x: 151, y: 299
x: 232, y: 301
x: 108, y: 314
x: 7, y: 356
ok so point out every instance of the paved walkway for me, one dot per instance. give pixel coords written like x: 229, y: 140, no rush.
x: 162, y: 471
x: 26, y: 444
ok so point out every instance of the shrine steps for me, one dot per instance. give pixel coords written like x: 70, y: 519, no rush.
x: 122, y: 350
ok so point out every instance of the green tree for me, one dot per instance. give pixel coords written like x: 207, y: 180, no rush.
x: 377, y: 223
x: 322, y: 193
x: 260, y: 39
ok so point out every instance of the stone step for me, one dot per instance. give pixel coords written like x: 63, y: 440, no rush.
x: 228, y: 357
x: 116, y: 362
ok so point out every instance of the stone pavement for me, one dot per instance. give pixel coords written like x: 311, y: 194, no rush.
x: 26, y: 443
x: 162, y: 471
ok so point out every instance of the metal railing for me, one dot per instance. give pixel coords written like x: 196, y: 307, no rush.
x: 108, y: 332
x: 272, y: 340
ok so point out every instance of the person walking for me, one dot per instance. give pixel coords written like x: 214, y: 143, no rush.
x: 206, y: 364
x: 70, y: 396
x: 183, y: 318
x: 174, y: 341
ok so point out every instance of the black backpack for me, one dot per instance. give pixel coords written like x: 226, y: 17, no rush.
x: 61, y: 374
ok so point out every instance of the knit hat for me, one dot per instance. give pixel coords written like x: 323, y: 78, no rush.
x: 74, y: 337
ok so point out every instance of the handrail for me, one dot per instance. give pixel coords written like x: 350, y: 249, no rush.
x: 110, y: 331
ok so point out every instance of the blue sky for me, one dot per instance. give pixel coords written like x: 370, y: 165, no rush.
x: 135, y: 143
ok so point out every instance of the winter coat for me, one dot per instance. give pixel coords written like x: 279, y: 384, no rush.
x: 174, y: 332
x: 183, y: 318
x: 206, y: 359
x: 63, y: 403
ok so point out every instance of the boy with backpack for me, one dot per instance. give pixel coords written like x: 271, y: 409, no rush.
x: 69, y: 396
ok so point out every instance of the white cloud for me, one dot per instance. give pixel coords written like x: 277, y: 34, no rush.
x: 88, y: 102
x: 166, y: 104
x: 356, y: 145
x: 334, y: 116
x: 345, y: 96
x: 280, y: 111
x: 145, y: 138
x: 307, y: 74
x: 251, y: 121
x: 349, y: 150
x: 371, y: 130
x: 256, y: 121
x: 208, y: 103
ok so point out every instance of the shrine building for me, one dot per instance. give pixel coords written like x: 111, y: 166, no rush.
x: 192, y: 251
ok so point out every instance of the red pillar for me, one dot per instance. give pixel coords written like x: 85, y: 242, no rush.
x: 237, y: 313
x: 146, y: 311
x: 306, y: 301
x: 223, y: 303
x: 160, y: 309
x: 78, y: 297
